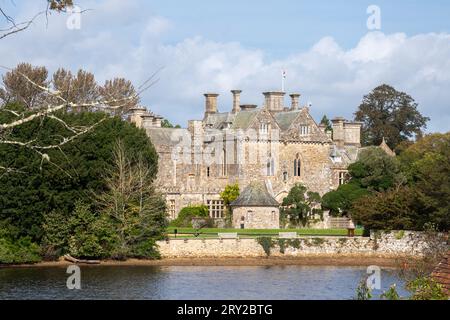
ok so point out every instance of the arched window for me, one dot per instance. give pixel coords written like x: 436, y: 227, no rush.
x: 270, y: 167
x: 297, y: 167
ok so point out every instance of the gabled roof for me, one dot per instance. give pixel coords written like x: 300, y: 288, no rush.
x: 244, y: 119
x: 285, y: 119
x: 384, y: 146
x: 219, y: 120
x: 255, y: 195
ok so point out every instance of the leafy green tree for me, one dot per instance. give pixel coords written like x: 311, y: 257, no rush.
x: 166, y: 124
x: 375, y: 170
x: 427, y: 166
x: 300, y: 205
x: 87, y: 234
x: 422, y: 198
x: 340, y: 201
x: 393, y: 210
x: 19, y: 251
x: 327, y: 123
x: 74, y: 172
x: 230, y: 194
x: 388, y: 113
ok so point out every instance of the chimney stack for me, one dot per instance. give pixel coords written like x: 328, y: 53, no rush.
x: 274, y: 101
x: 211, y: 103
x: 236, y: 100
x: 295, y: 98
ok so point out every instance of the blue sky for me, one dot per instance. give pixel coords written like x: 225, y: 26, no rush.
x: 331, y: 57
x: 286, y: 26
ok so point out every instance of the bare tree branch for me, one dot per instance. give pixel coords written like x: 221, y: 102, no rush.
x: 121, y: 93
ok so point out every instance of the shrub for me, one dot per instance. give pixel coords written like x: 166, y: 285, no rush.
x: 266, y: 243
x: 20, y: 251
x: 186, y: 215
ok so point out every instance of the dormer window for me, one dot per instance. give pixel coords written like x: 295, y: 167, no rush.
x: 304, y: 130
x: 264, y: 128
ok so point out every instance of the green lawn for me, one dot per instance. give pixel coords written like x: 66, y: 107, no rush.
x: 212, y: 233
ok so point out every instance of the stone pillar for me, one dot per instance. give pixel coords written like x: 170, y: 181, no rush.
x: 274, y: 101
x: 295, y: 98
x: 157, y: 122
x: 211, y: 103
x: 236, y: 100
x: 136, y: 116
x: 338, y: 131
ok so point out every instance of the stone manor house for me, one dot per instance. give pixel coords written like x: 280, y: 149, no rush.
x: 265, y: 149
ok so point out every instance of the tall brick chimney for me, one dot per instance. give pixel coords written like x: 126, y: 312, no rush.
x: 274, y: 101
x: 295, y: 98
x: 236, y: 100
x: 211, y: 103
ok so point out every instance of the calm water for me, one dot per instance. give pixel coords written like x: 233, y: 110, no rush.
x: 197, y: 283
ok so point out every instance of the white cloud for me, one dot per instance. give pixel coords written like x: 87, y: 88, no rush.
x: 121, y: 40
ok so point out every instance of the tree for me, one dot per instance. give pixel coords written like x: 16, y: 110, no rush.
x: 393, y: 210
x: 230, y: 194
x: 327, y: 123
x: 30, y: 98
x: 41, y: 187
x: 137, y: 212
x: 427, y: 166
x: 388, y: 113
x: 80, y: 89
x: 375, y: 170
x: 166, y: 124
x: 340, y: 201
x: 421, y: 199
x: 23, y: 85
x: 114, y: 91
x: 301, y: 205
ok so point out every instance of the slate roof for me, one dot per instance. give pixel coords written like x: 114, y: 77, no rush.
x: 285, y: 119
x: 219, y: 120
x: 244, y: 119
x: 255, y: 195
x: 442, y: 274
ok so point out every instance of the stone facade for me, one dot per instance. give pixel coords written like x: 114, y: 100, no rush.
x: 277, y: 144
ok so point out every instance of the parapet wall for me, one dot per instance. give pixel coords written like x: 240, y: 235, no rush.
x: 392, y: 244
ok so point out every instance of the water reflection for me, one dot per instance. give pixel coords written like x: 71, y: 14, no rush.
x: 197, y: 283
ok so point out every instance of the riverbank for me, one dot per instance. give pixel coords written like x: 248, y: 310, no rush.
x: 319, y: 260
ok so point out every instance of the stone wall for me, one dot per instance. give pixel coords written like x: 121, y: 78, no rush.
x: 386, y: 244
x: 256, y: 217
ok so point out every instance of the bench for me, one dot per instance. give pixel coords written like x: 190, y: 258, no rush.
x: 228, y: 236
x: 287, y: 235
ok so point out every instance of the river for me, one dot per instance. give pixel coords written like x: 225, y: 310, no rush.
x: 196, y: 283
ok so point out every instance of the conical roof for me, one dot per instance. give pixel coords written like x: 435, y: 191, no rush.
x: 255, y: 195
